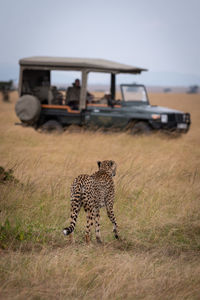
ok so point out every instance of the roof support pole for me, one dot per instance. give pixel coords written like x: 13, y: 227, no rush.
x: 112, y: 85
x: 82, y: 103
x: 20, y: 81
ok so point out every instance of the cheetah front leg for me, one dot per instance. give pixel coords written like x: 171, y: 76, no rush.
x: 112, y: 218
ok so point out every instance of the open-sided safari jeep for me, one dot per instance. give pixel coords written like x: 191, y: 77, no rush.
x: 41, y: 105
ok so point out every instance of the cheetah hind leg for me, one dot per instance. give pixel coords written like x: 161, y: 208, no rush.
x: 97, y: 227
x: 89, y: 224
x: 112, y: 218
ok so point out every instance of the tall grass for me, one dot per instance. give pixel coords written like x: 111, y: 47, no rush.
x: 157, y: 208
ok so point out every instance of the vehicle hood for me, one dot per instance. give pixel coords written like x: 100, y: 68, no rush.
x: 153, y: 109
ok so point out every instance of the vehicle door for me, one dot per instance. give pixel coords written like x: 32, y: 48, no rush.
x: 102, y: 115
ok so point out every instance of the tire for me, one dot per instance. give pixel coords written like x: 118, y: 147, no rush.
x: 141, y: 128
x: 28, y: 109
x: 51, y: 126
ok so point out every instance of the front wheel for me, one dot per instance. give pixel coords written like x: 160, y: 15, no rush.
x: 51, y: 126
x: 141, y: 128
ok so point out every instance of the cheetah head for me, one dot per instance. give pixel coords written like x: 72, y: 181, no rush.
x: 109, y: 166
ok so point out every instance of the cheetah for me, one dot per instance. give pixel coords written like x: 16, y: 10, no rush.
x: 93, y: 192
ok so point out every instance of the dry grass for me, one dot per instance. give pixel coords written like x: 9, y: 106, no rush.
x: 157, y: 208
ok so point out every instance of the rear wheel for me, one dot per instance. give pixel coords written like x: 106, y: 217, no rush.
x: 51, y: 126
x: 141, y: 128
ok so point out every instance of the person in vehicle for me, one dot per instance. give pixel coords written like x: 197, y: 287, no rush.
x: 46, y: 93
x: 73, y: 95
x: 107, y: 99
x: 45, y: 81
x: 41, y: 89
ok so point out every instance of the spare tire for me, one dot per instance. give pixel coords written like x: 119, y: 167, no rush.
x: 28, y: 109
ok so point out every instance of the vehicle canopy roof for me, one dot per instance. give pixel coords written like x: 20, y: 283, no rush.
x: 89, y: 64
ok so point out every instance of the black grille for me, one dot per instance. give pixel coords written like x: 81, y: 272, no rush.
x: 171, y: 117
x: 179, y: 118
x: 176, y: 118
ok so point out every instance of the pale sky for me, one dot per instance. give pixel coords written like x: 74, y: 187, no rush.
x: 160, y: 35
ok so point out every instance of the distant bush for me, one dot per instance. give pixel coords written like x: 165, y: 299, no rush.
x: 6, y: 176
x: 167, y: 90
x: 5, y: 88
x: 193, y: 89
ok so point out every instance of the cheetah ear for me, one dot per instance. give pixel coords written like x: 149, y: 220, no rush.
x: 111, y: 163
x: 99, y: 163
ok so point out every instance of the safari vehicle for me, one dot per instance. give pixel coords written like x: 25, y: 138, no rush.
x: 42, y: 106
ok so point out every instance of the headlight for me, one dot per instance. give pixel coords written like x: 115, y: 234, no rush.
x: 155, y: 117
x: 164, y: 118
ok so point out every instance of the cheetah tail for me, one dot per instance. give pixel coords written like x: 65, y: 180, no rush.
x: 75, y: 204
x: 74, y: 216
x: 68, y: 230
x: 71, y: 227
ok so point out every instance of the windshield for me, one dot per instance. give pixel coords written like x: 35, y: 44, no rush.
x: 134, y: 93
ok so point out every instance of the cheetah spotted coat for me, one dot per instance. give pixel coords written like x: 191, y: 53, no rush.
x: 93, y: 192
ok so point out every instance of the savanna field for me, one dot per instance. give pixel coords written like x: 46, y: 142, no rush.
x: 157, y: 208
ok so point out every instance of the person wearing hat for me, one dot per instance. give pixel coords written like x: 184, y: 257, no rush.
x: 73, y: 94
